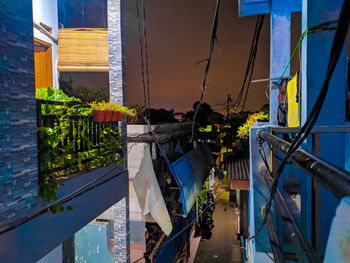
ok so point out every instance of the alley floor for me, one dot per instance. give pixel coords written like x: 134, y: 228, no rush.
x: 223, y: 247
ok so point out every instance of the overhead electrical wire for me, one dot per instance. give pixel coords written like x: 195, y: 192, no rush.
x: 144, y: 62
x: 243, y: 94
x: 146, y: 57
x: 211, y: 48
x: 141, y: 54
x: 320, y: 27
x: 337, y: 45
x: 18, y: 221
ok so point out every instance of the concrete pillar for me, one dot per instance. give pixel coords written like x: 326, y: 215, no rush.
x: 18, y: 135
x: 279, y: 55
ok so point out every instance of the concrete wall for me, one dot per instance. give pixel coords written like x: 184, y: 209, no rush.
x: 45, y: 11
x: 18, y: 140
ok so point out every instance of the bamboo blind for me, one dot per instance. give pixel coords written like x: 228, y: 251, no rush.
x: 83, y: 50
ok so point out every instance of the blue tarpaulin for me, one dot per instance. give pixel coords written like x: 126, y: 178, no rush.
x: 190, y: 171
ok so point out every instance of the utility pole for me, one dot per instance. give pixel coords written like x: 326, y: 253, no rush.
x: 228, y: 133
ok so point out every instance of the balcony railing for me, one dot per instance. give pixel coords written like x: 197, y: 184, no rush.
x: 69, y: 141
x: 334, y: 179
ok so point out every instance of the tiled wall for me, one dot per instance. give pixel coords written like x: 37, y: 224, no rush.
x: 18, y: 139
x: 117, y: 88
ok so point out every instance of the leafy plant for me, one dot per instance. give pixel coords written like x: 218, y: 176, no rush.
x: 202, y: 196
x: 112, y: 106
x: 58, y: 154
x: 53, y: 95
x: 243, y: 131
x: 99, y: 105
x: 88, y: 95
x: 138, y: 110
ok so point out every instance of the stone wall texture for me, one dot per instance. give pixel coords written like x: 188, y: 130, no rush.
x: 117, y: 90
x: 18, y: 137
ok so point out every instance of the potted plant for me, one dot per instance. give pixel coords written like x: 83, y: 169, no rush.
x: 113, y: 107
x: 98, y: 111
x: 108, y: 111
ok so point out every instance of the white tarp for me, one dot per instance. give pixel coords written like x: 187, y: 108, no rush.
x: 149, y: 195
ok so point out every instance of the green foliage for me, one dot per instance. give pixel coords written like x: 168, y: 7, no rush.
x: 99, y: 105
x: 112, y: 106
x: 57, y: 158
x: 139, y: 111
x: 88, y: 95
x: 243, y: 131
x: 53, y: 95
x: 202, y: 196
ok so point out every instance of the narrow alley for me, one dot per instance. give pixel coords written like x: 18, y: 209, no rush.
x: 223, y: 246
x: 224, y: 238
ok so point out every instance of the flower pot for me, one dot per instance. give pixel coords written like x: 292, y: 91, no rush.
x: 115, y: 116
x: 108, y: 115
x: 98, y: 115
x: 119, y: 116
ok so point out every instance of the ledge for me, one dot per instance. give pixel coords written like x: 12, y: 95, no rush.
x: 37, y: 237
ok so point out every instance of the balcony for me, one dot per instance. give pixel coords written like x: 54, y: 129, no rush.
x: 79, y: 178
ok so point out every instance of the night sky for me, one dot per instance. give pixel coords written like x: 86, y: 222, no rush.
x: 178, y: 37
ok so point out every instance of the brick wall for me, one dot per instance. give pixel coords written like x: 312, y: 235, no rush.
x: 117, y: 90
x: 18, y: 140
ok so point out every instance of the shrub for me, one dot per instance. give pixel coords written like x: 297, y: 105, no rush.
x: 243, y: 131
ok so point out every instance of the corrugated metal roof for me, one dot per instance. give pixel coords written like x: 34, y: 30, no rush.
x: 237, y: 161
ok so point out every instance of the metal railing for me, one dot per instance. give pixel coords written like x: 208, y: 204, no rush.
x: 80, y: 128
x: 336, y: 180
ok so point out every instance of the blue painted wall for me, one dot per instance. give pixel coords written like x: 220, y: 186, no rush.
x: 315, y: 53
x: 258, y: 196
x: 18, y: 140
x: 40, y: 235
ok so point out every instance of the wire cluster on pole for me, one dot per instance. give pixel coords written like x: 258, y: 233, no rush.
x: 211, y: 48
x: 337, y: 45
x: 243, y: 94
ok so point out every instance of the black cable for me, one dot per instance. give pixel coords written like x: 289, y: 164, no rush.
x: 142, y: 59
x: 276, y: 156
x: 146, y: 61
x: 183, y: 229
x: 253, y: 59
x: 12, y: 224
x: 211, y: 48
x: 337, y: 45
x: 267, y: 254
x: 250, y: 65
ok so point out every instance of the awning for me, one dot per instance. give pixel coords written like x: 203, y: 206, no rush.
x: 149, y: 195
x: 190, y: 171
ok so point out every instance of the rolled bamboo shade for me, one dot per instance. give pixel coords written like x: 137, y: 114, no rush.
x: 83, y: 50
